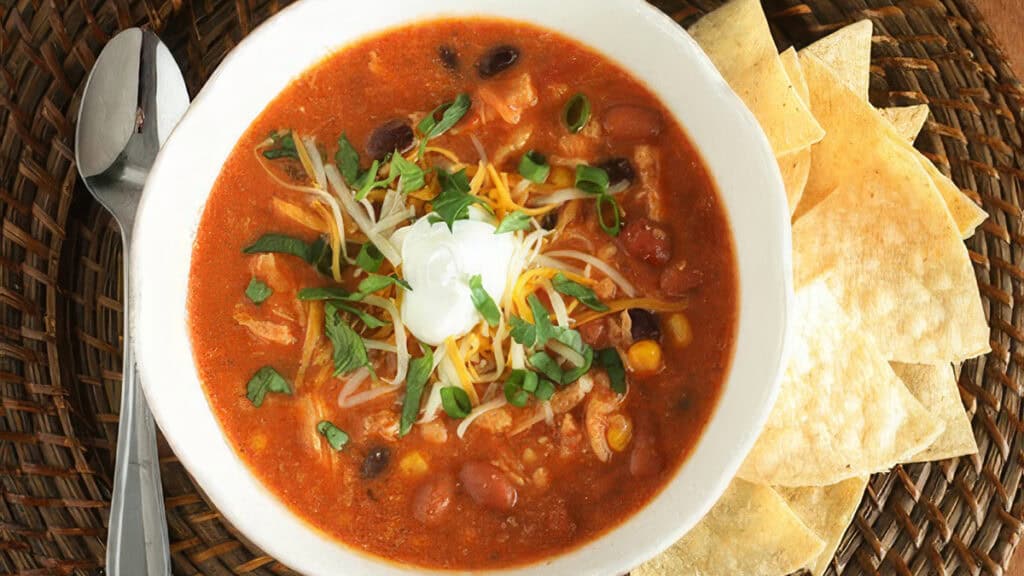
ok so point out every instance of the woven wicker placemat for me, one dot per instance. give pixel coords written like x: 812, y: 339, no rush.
x: 60, y: 262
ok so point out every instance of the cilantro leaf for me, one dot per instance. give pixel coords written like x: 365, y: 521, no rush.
x: 411, y: 176
x: 257, y: 291
x: 483, y: 302
x: 419, y: 371
x: 265, y: 380
x: 522, y: 331
x: 609, y: 359
x: 369, y: 257
x: 578, y: 291
x: 454, y: 200
x: 368, y: 320
x: 284, y: 147
x: 336, y: 437
x: 432, y: 127
x: 348, y: 160
x: 349, y: 350
x: 375, y: 283
x: 512, y: 222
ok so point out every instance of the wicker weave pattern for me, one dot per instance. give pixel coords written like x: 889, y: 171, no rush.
x: 60, y: 312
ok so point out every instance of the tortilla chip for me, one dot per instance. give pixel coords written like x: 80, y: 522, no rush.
x: 795, y: 166
x: 966, y: 214
x: 935, y: 387
x: 750, y: 531
x: 737, y: 40
x: 847, y: 52
x: 828, y: 511
x: 907, y: 120
x: 882, y: 237
x: 841, y: 411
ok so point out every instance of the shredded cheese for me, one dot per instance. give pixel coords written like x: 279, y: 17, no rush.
x: 460, y: 370
x: 505, y: 202
x: 601, y: 265
x: 478, y: 412
x: 652, y: 304
x: 314, y: 325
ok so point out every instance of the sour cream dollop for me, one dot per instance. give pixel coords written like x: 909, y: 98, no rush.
x: 438, y: 263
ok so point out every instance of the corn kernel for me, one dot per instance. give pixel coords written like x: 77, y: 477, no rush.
x: 620, y: 432
x: 413, y: 464
x: 679, y: 331
x: 644, y: 357
x: 529, y: 457
x: 561, y: 177
x: 258, y: 441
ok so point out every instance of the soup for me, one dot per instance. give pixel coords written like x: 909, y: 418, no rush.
x: 463, y: 295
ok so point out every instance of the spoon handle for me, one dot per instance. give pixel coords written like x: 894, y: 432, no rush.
x: 137, y: 541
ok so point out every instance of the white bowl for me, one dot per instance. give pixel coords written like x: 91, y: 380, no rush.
x: 641, y: 39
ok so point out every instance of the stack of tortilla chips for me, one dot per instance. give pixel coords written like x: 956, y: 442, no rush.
x: 886, y: 303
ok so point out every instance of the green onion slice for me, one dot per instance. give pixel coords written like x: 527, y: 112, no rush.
x: 455, y: 402
x: 576, y: 113
x: 591, y: 179
x: 515, y: 389
x: 605, y: 201
x: 534, y: 167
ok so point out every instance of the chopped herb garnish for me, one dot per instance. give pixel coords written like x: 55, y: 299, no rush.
x: 284, y: 147
x: 325, y: 293
x: 545, y: 390
x: 455, y: 402
x: 348, y: 160
x: 257, y: 291
x: 547, y: 366
x: 573, y: 340
x: 349, y: 350
x: 335, y: 436
x: 376, y: 282
x: 522, y: 331
x: 512, y: 222
x: 541, y: 319
x: 482, y: 300
x: 591, y: 179
x: 450, y: 112
x: 265, y: 380
x: 369, y: 257
x: 454, y: 200
x: 609, y: 359
x: 576, y: 113
x: 280, y: 244
x: 419, y: 371
x: 534, y: 167
x: 320, y: 256
x: 578, y: 291
x: 368, y: 182
x: 369, y: 320
x: 607, y: 201
x: 515, y: 387
x: 410, y: 175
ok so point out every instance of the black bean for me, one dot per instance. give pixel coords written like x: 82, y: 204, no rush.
x: 497, y: 60
x: 388, y: 137
x: 449, y: 57
x: 376, y: 461
x: 619, y: 170
x: 643, y: 324
x: 550, y: 220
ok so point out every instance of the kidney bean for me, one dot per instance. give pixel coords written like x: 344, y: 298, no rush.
x: 388, y: 137
x: 497, y: 60
x: 643, y: 325
x: 488, y: 486
x: 647, y: 241
x: 631, y: 122
x: 680, y: 280
x: 375, y: 462
x: 433, y: 499
x: 619, y: 170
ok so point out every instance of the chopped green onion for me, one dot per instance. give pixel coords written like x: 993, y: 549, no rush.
x: 574, y: 341
x: 576, y: 113
x: 265, y: 380
x: 455, y: 402
x: 369, y: 257
x: 483, y: 302
x: 545, y: 390
x: 515, y: 389
x: 512, y: 222
x: 530, y: 380
x: 591, y: 179
x: 348, y: 160
x: 616, y: 225
x: 349, y: 350
x: 257, y: 291
x: 547, y: 366
x: 609, y: 359
x: 335, y: 436
x: 578, y: 291
x: 534, y: 167
x: 419, y: 371
x: 451, y: 112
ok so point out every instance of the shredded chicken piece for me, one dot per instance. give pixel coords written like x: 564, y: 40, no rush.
x: 509, y: 100
x: 382, y: 424
x: 570, y: 437
x: 517, y: 141
x: 434, y: 432
x: 496, y: 421
x: 647, y: 160
x: 605, y: 289
x: 265, y: 330
x: 601, y: 404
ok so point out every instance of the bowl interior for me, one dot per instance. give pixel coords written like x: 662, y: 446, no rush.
x: 630, y: 32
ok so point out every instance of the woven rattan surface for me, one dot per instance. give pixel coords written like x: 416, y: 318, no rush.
x: 60, y: 262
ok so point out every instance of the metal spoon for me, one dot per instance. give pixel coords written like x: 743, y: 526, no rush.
x: 134, y: 96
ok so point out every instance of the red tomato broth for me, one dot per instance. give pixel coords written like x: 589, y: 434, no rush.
x: 584, y: 497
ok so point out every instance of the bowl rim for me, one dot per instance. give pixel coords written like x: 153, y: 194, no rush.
x: 761, y: 244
